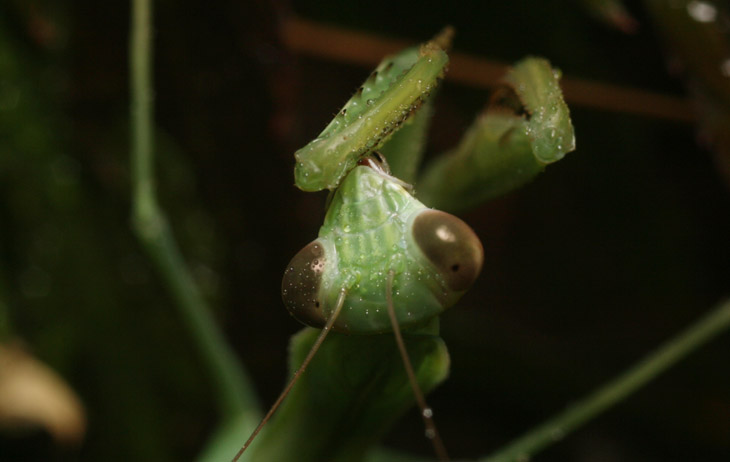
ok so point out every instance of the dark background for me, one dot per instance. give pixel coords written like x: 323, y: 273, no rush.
x: 610, y: 252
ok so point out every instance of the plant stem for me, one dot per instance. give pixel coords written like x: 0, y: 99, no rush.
x: 234, y: 389
x: 613, y: 392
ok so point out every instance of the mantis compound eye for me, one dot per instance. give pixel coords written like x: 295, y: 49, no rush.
x: 300, y: 288
x: 451, y: 246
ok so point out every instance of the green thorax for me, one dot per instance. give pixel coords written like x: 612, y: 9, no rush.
x: 366, y: 234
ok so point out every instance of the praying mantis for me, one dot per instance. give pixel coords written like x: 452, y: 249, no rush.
x: 384, y: 261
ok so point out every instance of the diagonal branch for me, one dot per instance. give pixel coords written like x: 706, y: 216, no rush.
x: 363, y: 49
x: 613, y: 392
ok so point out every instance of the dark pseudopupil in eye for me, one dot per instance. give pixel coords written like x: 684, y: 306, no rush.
x: 451, y: 246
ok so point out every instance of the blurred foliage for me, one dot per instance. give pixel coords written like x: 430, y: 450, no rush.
x: 603, y: 257
x: 706, y: 67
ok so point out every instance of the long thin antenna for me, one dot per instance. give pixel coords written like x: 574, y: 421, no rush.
x: 315, y: 347
x: 426, y: 411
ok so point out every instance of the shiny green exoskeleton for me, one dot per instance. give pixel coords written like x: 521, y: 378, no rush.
x: 384, y: 102
x: 374, y: 226
x: 384, y: 261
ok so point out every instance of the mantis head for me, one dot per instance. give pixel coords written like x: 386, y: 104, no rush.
x: 435, y: 257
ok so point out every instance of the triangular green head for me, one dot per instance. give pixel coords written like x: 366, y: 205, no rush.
x: 374, y: 226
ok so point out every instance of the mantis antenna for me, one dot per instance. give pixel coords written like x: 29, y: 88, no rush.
x: 313, y: 351
x: 376, y: 232
x: 426, y: 411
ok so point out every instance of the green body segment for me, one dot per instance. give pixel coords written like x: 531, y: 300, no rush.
x: 549, y: 128
x: 392, y: 93
x: 404, y: 150
x: 353, y: 392
x: 366, y: 234
x: 503, y: 150
x: 494, y: 157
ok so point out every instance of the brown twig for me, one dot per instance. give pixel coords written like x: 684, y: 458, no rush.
x: 363, y: 49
